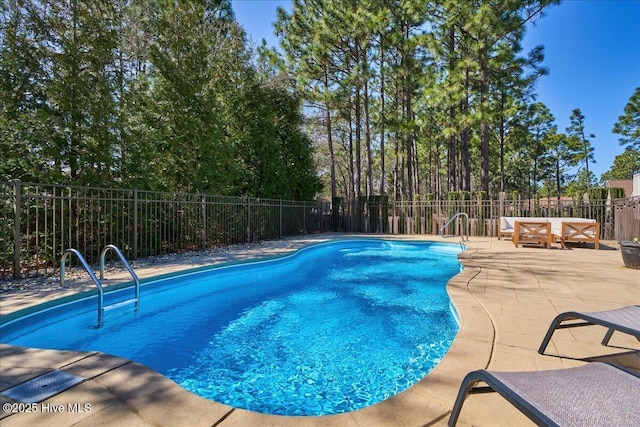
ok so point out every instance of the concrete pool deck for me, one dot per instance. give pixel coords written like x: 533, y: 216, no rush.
x: 506, y: 298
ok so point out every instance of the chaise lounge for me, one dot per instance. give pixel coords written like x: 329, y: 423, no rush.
x: 595, y: 394
x: 625, y: 319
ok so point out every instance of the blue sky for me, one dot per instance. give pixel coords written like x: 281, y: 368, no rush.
x: 592, y: 49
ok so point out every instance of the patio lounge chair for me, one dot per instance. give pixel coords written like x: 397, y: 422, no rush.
x: 596, y: 394
x: 625, y: 319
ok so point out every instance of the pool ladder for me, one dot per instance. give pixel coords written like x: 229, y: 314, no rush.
x: 101, y: 308
x: 465, y: 234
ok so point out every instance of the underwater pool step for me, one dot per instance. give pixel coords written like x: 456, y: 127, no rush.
x: 121, y: 304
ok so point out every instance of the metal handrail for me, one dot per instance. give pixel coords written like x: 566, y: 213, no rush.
x: 83, y: 261
x: 466, y: 229
x: 126, y: 264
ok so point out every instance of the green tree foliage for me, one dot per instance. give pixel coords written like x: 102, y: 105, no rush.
x: 58, y: 74
x: 563, y: 152
x: 185, y: 56
x: 530, y: 159
x: 580, y: 182
x: 628, y: 125
x: 401, y: 98
x: 624, y: 166
x: 413, y: 97
x: 576, y: 130
x: 152, y: 94
x: 23, y: 113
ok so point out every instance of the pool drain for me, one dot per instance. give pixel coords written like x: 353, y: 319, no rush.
x: 42, y: 387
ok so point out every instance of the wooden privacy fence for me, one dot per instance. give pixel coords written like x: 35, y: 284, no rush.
x: 627, y: 218
x: 39, y: 222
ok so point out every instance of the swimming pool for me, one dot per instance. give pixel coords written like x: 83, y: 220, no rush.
x: 333, y: 328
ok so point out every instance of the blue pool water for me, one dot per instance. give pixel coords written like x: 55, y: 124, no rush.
x: 333, y: 328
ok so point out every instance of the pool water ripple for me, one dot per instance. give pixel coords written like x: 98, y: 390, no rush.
x: 334, y: 328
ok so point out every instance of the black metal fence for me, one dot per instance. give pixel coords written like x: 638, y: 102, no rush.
x: 619, y: 219
x: 38, y: 222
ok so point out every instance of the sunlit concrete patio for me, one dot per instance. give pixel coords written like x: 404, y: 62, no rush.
x: 506, y: 298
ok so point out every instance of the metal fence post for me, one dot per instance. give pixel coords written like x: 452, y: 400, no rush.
x: 135, y: 223
x: 203, y: 212
x: 248, y: 220
x: 280, y: 228
x: 17, y: 196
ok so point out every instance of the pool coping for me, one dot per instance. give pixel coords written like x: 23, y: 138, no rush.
x: 121, y: 391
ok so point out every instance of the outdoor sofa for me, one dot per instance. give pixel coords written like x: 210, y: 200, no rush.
x: 547, y: 230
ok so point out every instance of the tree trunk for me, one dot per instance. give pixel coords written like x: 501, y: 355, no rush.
x: 367, y: 136
x: 452, y: 184
x: 358, y: 186
x: 466, y: 168
x: 502, y: 134
x: 382, y: 124
x: 484, y: 126
x: 332, y: 159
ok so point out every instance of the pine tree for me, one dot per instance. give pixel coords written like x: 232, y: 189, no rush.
x: 23, y: 110
x: 576, y: 130
x: 624, y: 166
x: 628, y: 125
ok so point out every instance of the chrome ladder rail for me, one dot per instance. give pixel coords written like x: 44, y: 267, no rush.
x: 136, y: 281
x: 466, y: 229
x: 83, y: 261
x: 101, y: 307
